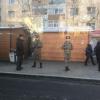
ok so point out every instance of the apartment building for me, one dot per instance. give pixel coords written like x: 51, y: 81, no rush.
x: 54, y: 20
x: 63, y: 14
x: 55, y: 15
x: 85, y: 13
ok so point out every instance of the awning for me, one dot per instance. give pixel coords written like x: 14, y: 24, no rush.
x: 95, y: 33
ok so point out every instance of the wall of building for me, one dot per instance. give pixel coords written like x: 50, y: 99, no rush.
x: 78, y: 20
x: 52, y: 43
x: 8, y: 41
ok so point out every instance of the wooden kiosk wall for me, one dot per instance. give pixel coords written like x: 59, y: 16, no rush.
x: 5, y: 41
x: 52, y: 43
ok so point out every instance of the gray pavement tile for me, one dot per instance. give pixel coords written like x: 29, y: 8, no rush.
x: 53, y: 68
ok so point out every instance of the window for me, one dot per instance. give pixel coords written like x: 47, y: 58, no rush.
x: 24, y: 11
x: 39, y: 1
x: 36, y: 1
x: 43, y: 11
x: 52, y: 24
x: 74, y: 1
x: 39, y: 11
x: 11, y: 1
x: 91, y: 11
x: 50, y: 11
x: 55, y: 11
x: 61, y: 10
x: 74, y: 11
x: 92, y: 25
x: 11, y: 13
x: 56, y: 1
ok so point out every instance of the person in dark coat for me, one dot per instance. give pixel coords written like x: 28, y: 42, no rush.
x: 97, y: 52
x: 19, y: 51
x: 36, y: 48
x: 89, y: 54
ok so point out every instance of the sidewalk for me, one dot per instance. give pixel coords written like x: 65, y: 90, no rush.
x: 54, y: 69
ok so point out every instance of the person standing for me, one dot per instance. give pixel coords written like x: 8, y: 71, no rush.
x: 36, y: 51
x: 19, y: 51
x: 67, y: 46
x: 89, y: 54
x: 97, y: 52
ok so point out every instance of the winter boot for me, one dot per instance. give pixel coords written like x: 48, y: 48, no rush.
x: 41, y: 65
x: 34, y: 65
x: 67, y: 68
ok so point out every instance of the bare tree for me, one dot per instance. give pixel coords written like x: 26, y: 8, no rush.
x: 82, y: 16
x: 32, y: 12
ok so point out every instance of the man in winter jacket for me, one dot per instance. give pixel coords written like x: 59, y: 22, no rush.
x: 19, y: 51
x: 97, y: 51
x: 89, y: 54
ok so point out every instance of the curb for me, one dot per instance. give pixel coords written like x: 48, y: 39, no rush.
x: 50, y: 78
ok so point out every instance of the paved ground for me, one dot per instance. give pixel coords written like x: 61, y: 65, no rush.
x: 47, y: 89
x: 78, y: 70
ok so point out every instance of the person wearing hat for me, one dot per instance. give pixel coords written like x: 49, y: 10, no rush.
x: 19, y: 51
x: 89, y: 54
x: 36, y: 50
x: 67, y: 47
x: 97, y: 51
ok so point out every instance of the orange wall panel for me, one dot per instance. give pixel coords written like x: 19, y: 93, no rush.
x: 52, y: 43
x: 5, y: 41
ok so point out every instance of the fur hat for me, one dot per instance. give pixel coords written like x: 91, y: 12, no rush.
x: 67, y: 37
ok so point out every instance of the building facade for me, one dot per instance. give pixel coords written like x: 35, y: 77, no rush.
x: 54, y: 15
x: 58, y: 17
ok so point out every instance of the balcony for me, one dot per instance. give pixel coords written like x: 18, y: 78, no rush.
x: 51, y: 2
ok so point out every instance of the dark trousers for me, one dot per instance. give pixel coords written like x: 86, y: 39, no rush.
x: 99, y: 66
x: 19, y: 62
x: 37, y: 58
x: 98, y: 62
x: 89, y: 57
